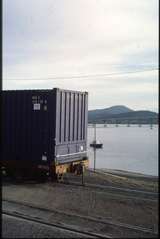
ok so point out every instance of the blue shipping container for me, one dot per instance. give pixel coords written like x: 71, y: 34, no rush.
x: 43, y: 127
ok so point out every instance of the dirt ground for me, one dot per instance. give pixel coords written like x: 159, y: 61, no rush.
x: 100, y: 204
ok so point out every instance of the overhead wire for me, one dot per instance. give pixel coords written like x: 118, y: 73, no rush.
x: 83, y: 76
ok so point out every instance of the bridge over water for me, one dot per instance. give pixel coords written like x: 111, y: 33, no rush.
x: 121, y: 125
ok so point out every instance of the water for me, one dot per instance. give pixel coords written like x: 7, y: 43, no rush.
x: 131, y: 148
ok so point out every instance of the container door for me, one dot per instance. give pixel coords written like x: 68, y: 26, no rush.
x: 71, y: 126
x: 41, y: 126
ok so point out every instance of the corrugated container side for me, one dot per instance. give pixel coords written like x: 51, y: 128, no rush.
x: 71, y: 125
x: 44, y: 126
x: 25, y: 131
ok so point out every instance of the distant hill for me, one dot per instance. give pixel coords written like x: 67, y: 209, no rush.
x: 121, y: 114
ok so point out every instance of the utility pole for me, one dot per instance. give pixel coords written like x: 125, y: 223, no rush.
x: 151, y: 124
x: 94, y: 149
x: 95, y: 145
x: 82, y: 171
x: 95, y: 133
x: 140, y: 123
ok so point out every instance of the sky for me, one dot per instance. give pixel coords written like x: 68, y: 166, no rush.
x: 106, y: 47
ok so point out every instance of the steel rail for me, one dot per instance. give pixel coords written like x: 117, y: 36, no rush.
x: 114, y: 190
x: 94, y: 219
x: 66, y: 228
x: 119, y: 188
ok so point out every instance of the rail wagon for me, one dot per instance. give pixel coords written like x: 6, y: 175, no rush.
x: 44, y: 132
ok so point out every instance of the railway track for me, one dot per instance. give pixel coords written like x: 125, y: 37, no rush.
x: 113, y: 227
x: 122, y: 188
x: 81, y: 233
x: 117, y: 191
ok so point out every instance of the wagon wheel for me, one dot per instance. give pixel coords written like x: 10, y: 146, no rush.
x: 79, y: 169
x: 41, y: 176
x: 59, y: 177
x: 14, y: 175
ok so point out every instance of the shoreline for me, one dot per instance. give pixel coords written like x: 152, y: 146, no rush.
x: 125, y: 172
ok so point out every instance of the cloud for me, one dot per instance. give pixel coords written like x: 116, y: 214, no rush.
x: 58, y: 38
